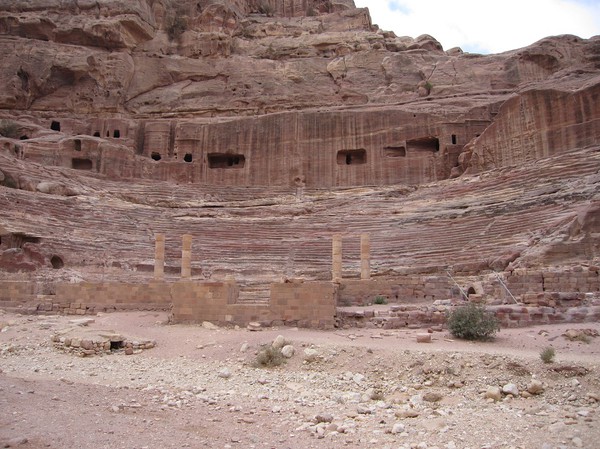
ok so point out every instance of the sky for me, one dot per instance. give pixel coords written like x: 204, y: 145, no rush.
x: 483, y: 26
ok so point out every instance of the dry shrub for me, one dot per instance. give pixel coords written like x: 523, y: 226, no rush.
x: 472, y: 322
x: 269, y: 357
x: 9, y: 129
x: 547, y: 355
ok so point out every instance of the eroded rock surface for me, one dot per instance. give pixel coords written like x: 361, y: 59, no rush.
x: 262, y: 128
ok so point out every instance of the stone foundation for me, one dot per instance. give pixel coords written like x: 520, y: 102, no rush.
x: 434, y: 316
x: 100, y: 345
x: 415, y: 300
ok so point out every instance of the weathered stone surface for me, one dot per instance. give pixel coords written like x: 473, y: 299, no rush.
x: 246, y: 129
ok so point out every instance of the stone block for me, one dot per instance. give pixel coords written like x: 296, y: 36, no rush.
x: 424, y: 338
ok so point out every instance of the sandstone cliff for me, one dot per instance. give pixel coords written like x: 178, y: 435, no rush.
x: 263, y: 127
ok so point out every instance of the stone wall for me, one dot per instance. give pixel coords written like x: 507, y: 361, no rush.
x: 300, y: 304
x: 306, y: 305
x: 16, y: 294
x: 403, y: 289
x: 575, y: 279
x: 434, y: 315
x: 83, y: 298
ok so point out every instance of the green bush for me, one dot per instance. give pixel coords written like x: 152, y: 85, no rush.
x: 9, y: 129
x: 547, y: 354
x: 380, y: 300
x: 269, y: 357
x: 472, y: 322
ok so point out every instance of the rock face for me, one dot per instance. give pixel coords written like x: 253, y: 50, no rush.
x: 264, y: 127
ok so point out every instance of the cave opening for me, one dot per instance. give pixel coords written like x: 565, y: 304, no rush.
x: 423, y: 144
x: 395, y: 151
x: 81, y: 164
x: 226, y: 160
x: 115, y: 345
x: 57, y: 262
x: 352, y: 157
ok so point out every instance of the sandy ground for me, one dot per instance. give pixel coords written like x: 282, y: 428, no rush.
x: 199, y: 387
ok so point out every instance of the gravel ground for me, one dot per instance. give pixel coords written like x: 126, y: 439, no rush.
x: 353, y: 388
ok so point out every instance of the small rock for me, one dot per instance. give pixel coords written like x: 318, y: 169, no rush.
x: 311, y: 355
x: 398, y: 428
x: 535, y: 387
x: 288, y: 351
x: 493, y: 393
x: 82, y: 321
x: 432, y: 396
x: 224, y: 373
x: 279, y: 342
x: 407, y: 414
x: 129, y: 351
x: 87, y: 344
x: 358, y: 378
x: 577, y: 442
x: 324, y: 417
x: 254, y: 326
x: 14, y: 442
x: 362, y: 410
x: 210, y: 326
x: 510, y: 389
x: 244, y: 347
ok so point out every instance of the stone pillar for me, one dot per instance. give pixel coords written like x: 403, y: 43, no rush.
x: 365, y: 257
x: 159, y: 257
x: 336, y: 253
x: 186, y: 256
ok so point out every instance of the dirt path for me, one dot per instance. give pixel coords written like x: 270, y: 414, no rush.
x: 365, y: 388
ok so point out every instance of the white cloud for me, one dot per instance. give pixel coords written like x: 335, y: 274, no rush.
x: 486, y: 27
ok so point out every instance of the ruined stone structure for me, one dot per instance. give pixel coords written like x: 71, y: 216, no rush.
x: 291, y: 144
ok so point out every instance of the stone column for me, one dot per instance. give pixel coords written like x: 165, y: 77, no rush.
x: 336, y: 253
x: 186, y: 256
x: 159, y: 257
x: 365, y: 257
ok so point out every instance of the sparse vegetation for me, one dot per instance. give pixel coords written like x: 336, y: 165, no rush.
x: 269, y: 357
x: 380, y: 300
x: 547, y: 355
x: 9, y: 128
x: 7, y: 180
x: 472, y: 322
x: 176, y: 26
x: 584, y: 338
x: 266, y: 9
